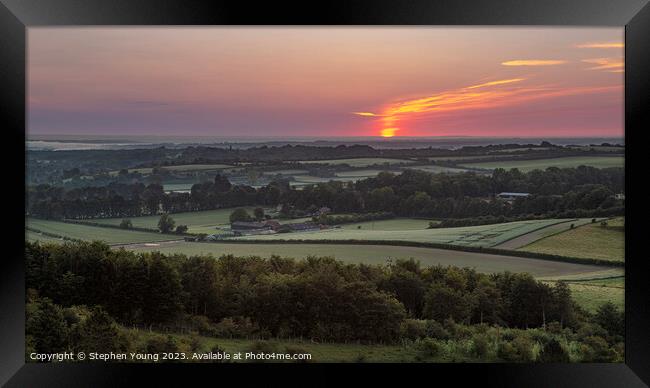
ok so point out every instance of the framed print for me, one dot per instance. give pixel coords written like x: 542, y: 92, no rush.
x: 426, y: 188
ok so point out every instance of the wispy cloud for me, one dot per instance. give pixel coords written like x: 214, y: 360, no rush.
x: 602, y: 45
x: 534, y: 62
x: 485, y: 95
x: 614, y: 65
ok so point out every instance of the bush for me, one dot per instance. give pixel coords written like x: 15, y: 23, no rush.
x: 480, y: 345
x: 435, y: 330
x: 126, y: 224
x: 519, y: 350
x: 264, y: 347
x: 430, y: 348
x: 161, y: 344
x: 596, y: 349
x: 553, y: 352
x: 413, y: 329
x: 181, y: 229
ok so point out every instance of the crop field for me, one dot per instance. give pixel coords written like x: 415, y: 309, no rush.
x: 380, y: 254
x: 392, y: 224
x: 197, y: 222
x: 590, y: 240
x: 90, y: 233
x: 438, y: 169
x: 529, y: 238
x: 179, y: 168
x: 592, y: 293
x: 476, y: 236
x: 541, y: 164
x: 359, y: 162
x: 178, y: 186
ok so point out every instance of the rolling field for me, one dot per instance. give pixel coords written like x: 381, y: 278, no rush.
x: 475, y: 236
x: 438, y: 169
x: 90, y: 233
x: 197, y: 222
x: 379, y: 254
x: 529, y: 165
x: 392, y: 224
x: 183, y: 167
x: 358, y: 162
x: 528, y: 238
x: 590, y: 240
x: 592, y: 293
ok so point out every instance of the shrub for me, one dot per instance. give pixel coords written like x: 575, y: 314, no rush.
x: 430, y: 348
x: 161, y: 344
x: 435, y: 330
x: 126, y: 224
x: 596, y: 349
x: 553, y: 351
x: 480, y: 345
x: 413, y: 329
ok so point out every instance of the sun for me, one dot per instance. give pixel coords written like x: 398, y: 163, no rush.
x: 388, y: 132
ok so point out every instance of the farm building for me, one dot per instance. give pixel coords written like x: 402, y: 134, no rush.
x: 511, y: 196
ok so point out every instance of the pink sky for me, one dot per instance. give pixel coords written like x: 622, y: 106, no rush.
x: 326, y: 81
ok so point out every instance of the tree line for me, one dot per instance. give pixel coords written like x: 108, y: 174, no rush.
x: 554, y: 191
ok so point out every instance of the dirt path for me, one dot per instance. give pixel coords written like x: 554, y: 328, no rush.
x: 531, y: 237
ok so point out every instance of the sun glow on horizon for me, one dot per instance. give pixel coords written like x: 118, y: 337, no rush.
x: 389, y: 132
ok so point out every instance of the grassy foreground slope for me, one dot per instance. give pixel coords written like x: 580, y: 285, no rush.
x: 589, y: 241
x: 541, y: 164
x: 475, y: 236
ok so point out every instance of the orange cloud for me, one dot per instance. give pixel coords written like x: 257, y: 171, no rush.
x: 534, y: 62
x: 614, y: 65
x: 364, y: 114
x: 486, y: 95
x: 602, y: 45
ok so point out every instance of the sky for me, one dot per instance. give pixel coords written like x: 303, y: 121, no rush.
x: 326, y: 81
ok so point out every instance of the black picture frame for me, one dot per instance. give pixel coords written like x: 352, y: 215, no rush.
x: 18, y: 15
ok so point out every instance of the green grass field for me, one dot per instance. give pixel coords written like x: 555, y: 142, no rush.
x: 392, y: 224
x: 358, y: 162
x: 438, y: 169
x: 591, y: 294
x: 590, y: 240
x: 476, y: 236
x: 183, y: 167
x: 90, y: 233
x: 380, y: 254
x: 540, y: 164
x: 205, y: 221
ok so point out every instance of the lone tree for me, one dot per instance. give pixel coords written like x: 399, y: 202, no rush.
x: 166, y: 223
x: 240, y: 214
x: 126, y: 224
